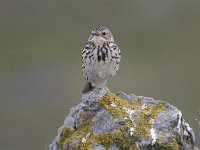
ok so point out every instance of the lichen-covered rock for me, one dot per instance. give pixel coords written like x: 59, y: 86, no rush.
x: 104, y: 120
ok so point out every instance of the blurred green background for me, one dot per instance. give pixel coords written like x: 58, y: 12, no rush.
x: 40, y: 52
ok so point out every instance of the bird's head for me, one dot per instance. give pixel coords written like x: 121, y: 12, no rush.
x: 101, y: 34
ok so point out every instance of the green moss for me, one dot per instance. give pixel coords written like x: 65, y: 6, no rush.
x: 119, y: 108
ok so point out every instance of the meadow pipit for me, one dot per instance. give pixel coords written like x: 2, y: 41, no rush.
x: 100, y: 58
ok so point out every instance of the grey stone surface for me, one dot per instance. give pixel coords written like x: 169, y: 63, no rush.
x: 169, y: 123
x: 103, y: 120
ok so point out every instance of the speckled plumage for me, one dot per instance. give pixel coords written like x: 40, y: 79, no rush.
x: 100, y: 57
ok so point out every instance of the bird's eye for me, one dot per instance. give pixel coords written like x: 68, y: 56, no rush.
x: 104, y: 33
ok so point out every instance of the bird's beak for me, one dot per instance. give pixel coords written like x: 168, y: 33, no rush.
x: 97, y: 34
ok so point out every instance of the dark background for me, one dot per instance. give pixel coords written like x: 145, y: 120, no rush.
x: 40, y: 52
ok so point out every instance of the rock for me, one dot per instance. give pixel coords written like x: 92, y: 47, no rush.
x: 104, y: 120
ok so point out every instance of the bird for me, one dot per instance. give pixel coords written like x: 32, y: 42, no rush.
x: 100, y: 58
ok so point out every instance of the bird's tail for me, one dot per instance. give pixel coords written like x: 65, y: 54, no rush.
x: 88, y: 87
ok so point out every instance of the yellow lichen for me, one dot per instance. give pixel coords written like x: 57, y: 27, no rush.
x: 142, y: 122
x: 66, y: 133
x: 172, y: 145
x: 70, y: 134
x: 161, y: 139
x: 119, y: 137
